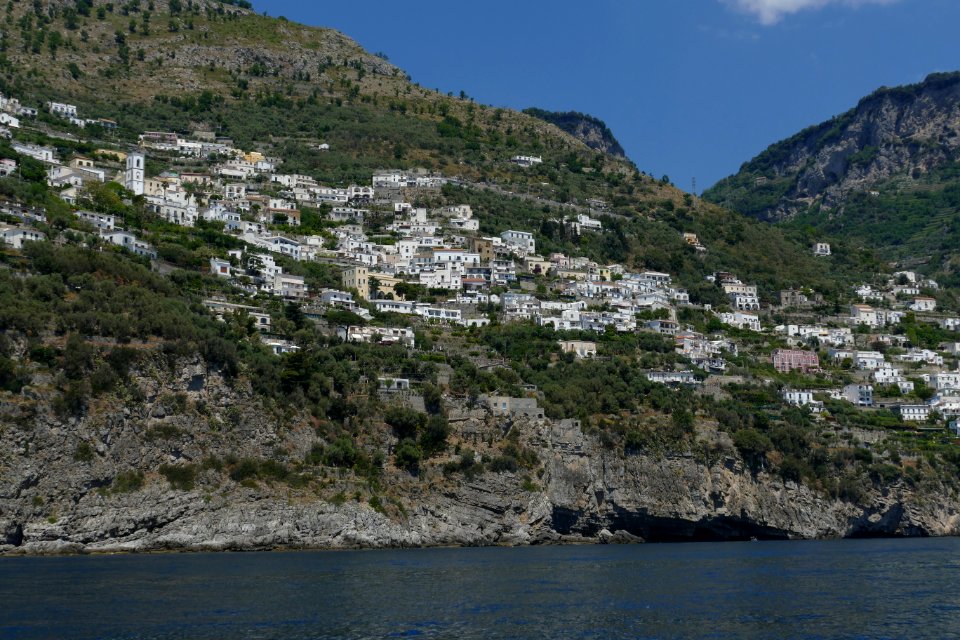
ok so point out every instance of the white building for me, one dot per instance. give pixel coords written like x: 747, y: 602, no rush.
x: 9, y: 121
x: 220, y: 267
x: 102, y: 221
x: 521, y: 240
x: 129, y: 242
x: 288, y: 286
x: 801, y: 398
x: 913, y: 412
x: 62, y: 109
x: 922, y: 355
x: 16, y: 236
x: 859, y: 394
x: 586, y: 223
x: 580, y: 348
x: 864, y: 314
x: 744, y: 302
x: 526, y: 161
x: 672, y: 377
x: 37, y: 152
x: 395, y: 306
x: 443, y: 314
x: 382, y: 335
x: 279, y: 346
x: 947, y: 404
x: 942, y: 381
x: 741, y: 320
x: 133, y: 178
x: 863, y: 360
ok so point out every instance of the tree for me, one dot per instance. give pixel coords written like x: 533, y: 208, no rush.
x: 753, y: 446
x: 432, y: 399
x: 434, y: 437
x: 405, y: 422
x: 683, y: 420
x: 294, y: 314
x: 54, y: 41
x: 408, y: 456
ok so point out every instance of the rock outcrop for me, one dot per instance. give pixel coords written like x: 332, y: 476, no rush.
x: 903, y: 131
x: 592, y: 131
x: 58, y: 496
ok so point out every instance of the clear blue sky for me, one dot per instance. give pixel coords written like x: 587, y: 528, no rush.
x: 691, y: 88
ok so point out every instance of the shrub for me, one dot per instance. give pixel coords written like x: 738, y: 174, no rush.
x: 342, y: 453
x: 467, y: 465
x: 180, y: 476
x: 246, y: 468
x: 884, y: 474
x: 12, y: 377
x: 162, y: 432
x: 127, y: 482
x: 376, y: 504
x: 503, y: 463
x: 635, y: 442
x: 83, y: 452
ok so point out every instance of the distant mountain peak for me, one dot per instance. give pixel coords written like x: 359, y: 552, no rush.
x: 908, y: 130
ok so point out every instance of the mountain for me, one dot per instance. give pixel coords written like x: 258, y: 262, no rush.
x: 142, y: 409
x: 884, y: 173
x: 283, y: 88
x: 590, y: 130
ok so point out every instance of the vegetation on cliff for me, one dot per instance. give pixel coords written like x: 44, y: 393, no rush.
x: 94, y: 341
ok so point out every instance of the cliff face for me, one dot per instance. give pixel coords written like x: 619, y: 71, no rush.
x: 62, y: 486
x: 590, y: 130
x: 900, y: 132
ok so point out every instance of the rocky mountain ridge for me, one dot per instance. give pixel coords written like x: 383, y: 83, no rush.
x: 902, y: 131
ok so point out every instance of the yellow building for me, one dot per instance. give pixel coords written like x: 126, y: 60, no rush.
x: 119, y: 155
x: 357, y: 277
x: 482, y: 246
x: 385, y: 285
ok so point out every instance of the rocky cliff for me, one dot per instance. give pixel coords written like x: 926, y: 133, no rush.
x: 92, y: 484
x: 900, y: 132
x: 590, y: 130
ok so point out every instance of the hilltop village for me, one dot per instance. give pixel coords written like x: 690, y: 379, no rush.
x: 403, y: 266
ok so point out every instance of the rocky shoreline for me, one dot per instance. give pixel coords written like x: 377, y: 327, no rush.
x: 579, y: 492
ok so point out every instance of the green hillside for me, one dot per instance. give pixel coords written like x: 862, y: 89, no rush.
x: 188, y: 371
x: 912, y: 221
x: 241, y: 79
x: 883, y: 175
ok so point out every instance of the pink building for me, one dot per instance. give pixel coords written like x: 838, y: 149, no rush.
x: 785, y: 360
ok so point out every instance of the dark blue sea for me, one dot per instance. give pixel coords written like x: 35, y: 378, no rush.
x: 841, y: 589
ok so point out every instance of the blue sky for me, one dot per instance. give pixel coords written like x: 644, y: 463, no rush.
x: 691, y: 88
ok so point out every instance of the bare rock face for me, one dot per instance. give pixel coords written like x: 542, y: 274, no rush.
x: 57, y: 496
x: 904, y: 131
x: 680, y: 498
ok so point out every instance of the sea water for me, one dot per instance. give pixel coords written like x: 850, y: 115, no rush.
x: 904, y: 588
